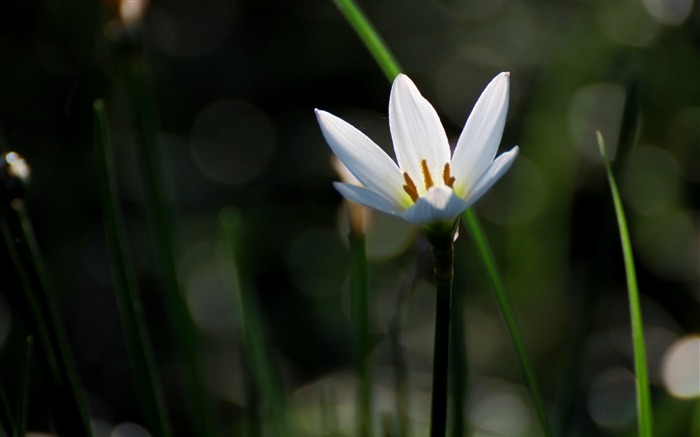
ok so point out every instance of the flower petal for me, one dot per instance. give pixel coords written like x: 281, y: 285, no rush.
x: 440, y: 203
x: 368, y: 198
x: 365, y: 160
x: 492, y: 174
x: 416, y: 132
x: 478, y: 143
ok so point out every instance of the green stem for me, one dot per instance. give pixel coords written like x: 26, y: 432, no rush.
x: 361, y: 319
x: 23, y: 401
x: 443, y: 256
x: 484, y: 248
x: 374, y: 43
x: 141, y: 354
x: 644, y: 416
x: 161, y: 221
x: 257, y: 353
x: 70, y: 409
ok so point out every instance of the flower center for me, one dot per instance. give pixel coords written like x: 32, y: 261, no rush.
x: 411, y: 187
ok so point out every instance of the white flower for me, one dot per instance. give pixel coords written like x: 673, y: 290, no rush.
x: 428, y: 185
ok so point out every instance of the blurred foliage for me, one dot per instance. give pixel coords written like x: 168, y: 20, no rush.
x: 235, y: 84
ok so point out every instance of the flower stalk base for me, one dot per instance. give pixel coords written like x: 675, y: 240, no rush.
x: 442, y: 243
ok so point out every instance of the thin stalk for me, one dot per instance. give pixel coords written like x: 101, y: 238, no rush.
x: 257, y: 353
x: 644, y: 416
x: 361, y: 319
x: 597, y: 268
x: 141, y: 354
x: 161, y: 221
x: 443, y: 256
x: 39, y: 322
x: 70, y: 409
x: 484, y: 248
x: 23, y: 398
x: 374, y: 43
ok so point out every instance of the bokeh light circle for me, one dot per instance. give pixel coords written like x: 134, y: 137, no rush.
x: 231, y: 141
x: 680, y: 369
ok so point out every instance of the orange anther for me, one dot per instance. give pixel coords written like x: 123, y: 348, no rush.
x: 446, y: 177
x: 426, y: 174
x: 410, y: 187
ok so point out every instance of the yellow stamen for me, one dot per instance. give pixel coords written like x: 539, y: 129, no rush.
x: 426, y: 175
x: 446, y: 177
x: 410, y: 187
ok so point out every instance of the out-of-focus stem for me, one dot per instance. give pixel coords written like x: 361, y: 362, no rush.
x: 361, y: 320
x: 141, y: 354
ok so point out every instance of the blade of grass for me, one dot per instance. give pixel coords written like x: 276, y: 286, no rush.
x: 374, y: 43
x: 161, y: 222
x: 141, y: 354
x: 597, y: 270
x: 70, y: 410
x: 644, y: 416
x: 391, y: 68
x: 489, y: 261
x: 23, y: 398
x: 37, y: 323
x: 258, y: 355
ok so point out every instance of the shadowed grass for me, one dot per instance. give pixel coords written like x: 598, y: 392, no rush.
x: 70, y: 412
x: 644, y: 415
x: 266, y: 381
x: 489, y: 261
x: 361, y: 322
x: 23, y: 398
x: 158, y: 208
x: 141, y: 355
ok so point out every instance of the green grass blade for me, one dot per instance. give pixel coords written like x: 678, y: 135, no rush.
x: 141, y: 354
x: 374, y: 43
x: 185, y: 335
x: 644, y: 416
x: 70, y: 410
x: 361, y: 319
x: 23, y: 398
x: 257, y: 353
x: 484, y: 249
